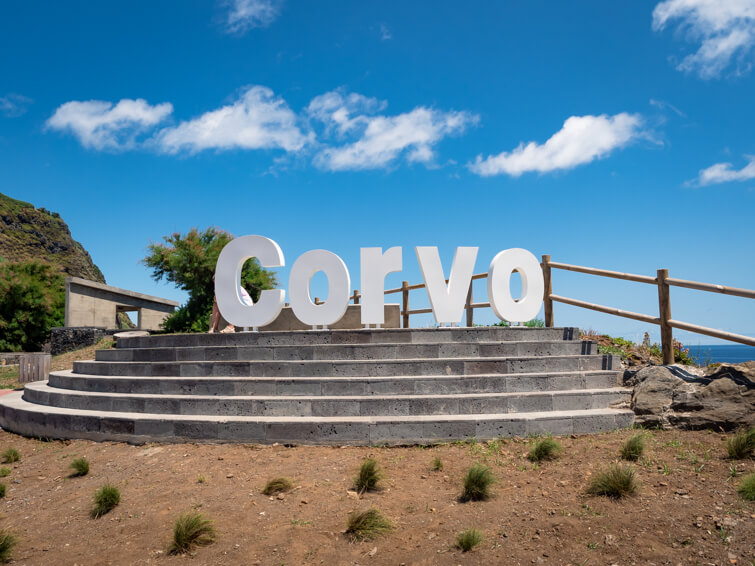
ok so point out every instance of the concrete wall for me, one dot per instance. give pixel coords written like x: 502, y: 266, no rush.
x: 94, y: 304
x: 351, y: 320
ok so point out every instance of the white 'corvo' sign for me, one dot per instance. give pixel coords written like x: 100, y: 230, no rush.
x: 447, y: 300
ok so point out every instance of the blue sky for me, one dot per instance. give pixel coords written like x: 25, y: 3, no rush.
x: 613, y: 135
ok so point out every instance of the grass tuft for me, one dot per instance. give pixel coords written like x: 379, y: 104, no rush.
x: 7, y: 541
x: 369, y: 476
x: 616, y: 481
x: 747, y: 487
x: 190, y: 530
x: 437, y: 464
x: 4, y: 472
x: 633, y: 448
x: 3, y: 487
x: 477, y: 483
x: 11, y: 455
x: 367, y: 525
x: 80, y: 467
x: 467, y: 540
x: 278, y: 485
x: 105, y: 500
x: 741, y: 445
x: 544, y: 449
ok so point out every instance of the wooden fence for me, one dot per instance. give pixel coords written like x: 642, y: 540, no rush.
x: 33, y: 367
x: 662, y: 281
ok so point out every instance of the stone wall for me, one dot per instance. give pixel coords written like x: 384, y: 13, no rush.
x: 64, y: 339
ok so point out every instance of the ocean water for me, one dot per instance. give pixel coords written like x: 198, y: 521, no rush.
x: 726, y: 353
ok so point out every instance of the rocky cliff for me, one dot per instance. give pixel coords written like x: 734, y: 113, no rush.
x: 29, y: 233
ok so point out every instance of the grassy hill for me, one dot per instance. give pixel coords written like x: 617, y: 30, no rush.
x: 28, y: 233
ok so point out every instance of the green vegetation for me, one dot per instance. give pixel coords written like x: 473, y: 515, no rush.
x: 534, y: 323
x: 7, y: 542
x: 646, y: 351
x: 617, y: 481
x: 544, y: 449
x: 367, y: 525
x: 3, y: 487
x: 278, y: 485
x: 11, y: 455
x: 633, y: 448
x: 80, y: 467
x: 437, y: 464
x: 188, y: 260
x: 4, y: 472
x: 369, y: 476
x: 467, y: 540
x: 747, y: 487
x: 32, y: 300
x: 190, y: 530
x: 477, y: 483
x: 105, y: 500
x: 741, y: 445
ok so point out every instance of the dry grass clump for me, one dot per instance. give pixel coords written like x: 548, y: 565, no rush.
x: 369, y: 476
x: 741, y: 445
x: 105, y: 500
x: 7, y: 541
x: 11, y: 455
x: 5, y: 472
x: 80, y: 467
x: 747, y: 487
x: 633, y: 448
x: 437, y: 464
x: 367, y: 524
x: 467, y: 540
x: 477, y: 483
x: 616, y: 481
x: 190, y: 530
x: 278, y: 485
x: 544, y: 449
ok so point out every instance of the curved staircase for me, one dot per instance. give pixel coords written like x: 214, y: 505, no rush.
x: 372, y: 386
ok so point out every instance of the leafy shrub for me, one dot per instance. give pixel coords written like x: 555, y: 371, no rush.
x: 747, y: 487
x: 367, y: 525
x: 741, y: 445
x: 633, y: 448
x: 477, y: 483
x: 32, y: 300
x: 544, y: 449
x: 11, y: 455
x: 105, y: 500
x: 7, y: 541
x: 617, y: 481
x: 368, y: 477
x: 190, y: 530
x: 80, y: 467
x: 437, y: 464
x: 467, y: 540
x: 277, y: 485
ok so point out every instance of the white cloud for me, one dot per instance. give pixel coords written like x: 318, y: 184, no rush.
x: 725, y: 172
x: 244, y: 15
x: 385, y: 33
x: 581, y: 140
x: 257, y: 120
x: 382, y: 139
x: 13, y: 105
x: 100, y: 125
x: 662, y: 105
x: 725, y: 30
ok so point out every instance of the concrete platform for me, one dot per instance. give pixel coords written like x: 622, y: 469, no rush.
x: 330, y: 387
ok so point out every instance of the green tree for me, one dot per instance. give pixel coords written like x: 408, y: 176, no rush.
x: 189, y: 260
x: 32, y: 300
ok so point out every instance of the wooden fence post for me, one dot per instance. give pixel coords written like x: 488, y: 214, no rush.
x: 405, y: 302
x: 547, y: 301
x: 34, y: 367
x: 356, y: 296
x: 470, y: 310
x: 664, y: 310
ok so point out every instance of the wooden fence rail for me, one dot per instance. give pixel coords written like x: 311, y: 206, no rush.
x: 662, y: 281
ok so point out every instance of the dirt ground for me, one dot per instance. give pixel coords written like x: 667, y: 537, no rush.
x: 686, y: 512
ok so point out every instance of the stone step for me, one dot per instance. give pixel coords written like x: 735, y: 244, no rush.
x: 327, y: 406
x: 424, y: 385
x: 54, y: 422
x: 365, y: 336
x: 377, y: 351
x: 351, y: 368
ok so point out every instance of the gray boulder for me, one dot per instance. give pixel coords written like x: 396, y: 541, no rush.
x: 681, y: 397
